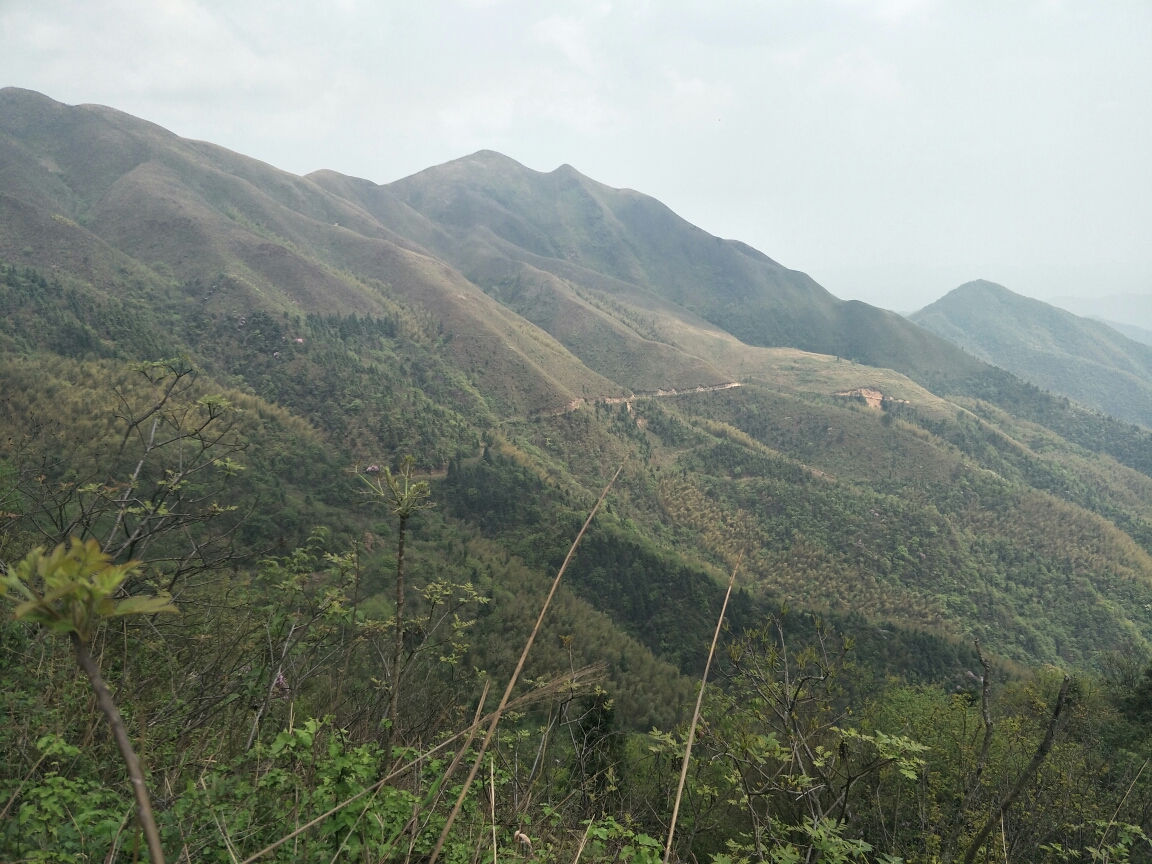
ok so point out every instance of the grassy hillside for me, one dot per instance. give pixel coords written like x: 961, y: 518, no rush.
x: 153, y: 246
x: 97, y: 194
x: 1086, y: 360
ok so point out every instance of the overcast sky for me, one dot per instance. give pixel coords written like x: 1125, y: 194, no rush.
x: 891, y: 148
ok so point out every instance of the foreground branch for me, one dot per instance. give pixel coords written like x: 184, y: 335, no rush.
x: 120, y: 734
x: 1023, y: 780
x: 973, y: 786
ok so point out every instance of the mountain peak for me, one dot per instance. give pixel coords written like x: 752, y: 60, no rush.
x: 1080, y: 358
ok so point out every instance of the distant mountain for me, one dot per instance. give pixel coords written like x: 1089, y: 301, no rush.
x: 1138, y: 334
x: 1086, y: 360
x: 1131, y: 309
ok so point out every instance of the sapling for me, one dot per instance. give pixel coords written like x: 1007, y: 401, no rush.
x: 403, y: 496
x: 70, y: 590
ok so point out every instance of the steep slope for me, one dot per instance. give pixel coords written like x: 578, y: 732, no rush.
x: 494, y: 218
x: 1083, y: 359
x: 93, y: 192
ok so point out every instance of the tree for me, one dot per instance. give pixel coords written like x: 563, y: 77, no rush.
x: 403, y: 496
x: 779, y: 732
x: 150, y: 487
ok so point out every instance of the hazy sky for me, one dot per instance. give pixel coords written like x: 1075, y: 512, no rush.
x: 891, y: 148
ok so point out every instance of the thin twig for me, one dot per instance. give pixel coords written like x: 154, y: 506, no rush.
x: 1112, y: 821
x: 516, y: 674
x: 116, y: 838
x: 20, y: 788
x: 973, y: 784
x: 696, y: 713
x: 271, y: 689
x: 441, y: 783
x: 583, y: 841
x: 492, y: 792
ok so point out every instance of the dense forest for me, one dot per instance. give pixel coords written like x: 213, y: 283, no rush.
x: 848, y: 715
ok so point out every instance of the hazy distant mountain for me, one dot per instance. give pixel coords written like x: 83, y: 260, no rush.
x: 1083, y: 359
x: 1131, y: 309
x: 1139, y: 334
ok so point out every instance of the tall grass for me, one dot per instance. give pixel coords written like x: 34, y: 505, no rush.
x: 696, y: 715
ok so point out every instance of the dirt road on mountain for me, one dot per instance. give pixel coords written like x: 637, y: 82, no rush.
x: 627, y: 400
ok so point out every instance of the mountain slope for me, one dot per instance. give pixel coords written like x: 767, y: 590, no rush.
x: 482, y: 335
x: 492, y: 217
x: 84, y: 187
x: 1136, y: 334
x: 1083, y: 359
x: 1134, y: 309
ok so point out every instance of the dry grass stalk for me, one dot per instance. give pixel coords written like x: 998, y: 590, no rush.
x: 583, y: 842
x: 492, y: 793
x: 696, y: 714
x: 516, y: 674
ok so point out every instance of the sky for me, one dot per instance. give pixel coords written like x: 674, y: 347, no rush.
x: 893, y: 149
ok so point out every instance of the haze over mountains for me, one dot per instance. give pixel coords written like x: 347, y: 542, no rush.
x: 1086, y: 360
x: 1137, y: 334
x: 499, y: 514
x: 1125, y: 310
x: 479, y: 314
x: 557, y: 249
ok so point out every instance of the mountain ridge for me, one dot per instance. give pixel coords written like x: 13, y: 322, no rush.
x: 562, y: 220
x: 1083, y: 359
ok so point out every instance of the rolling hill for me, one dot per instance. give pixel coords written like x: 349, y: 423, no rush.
x: 207, y: 358
x: 1085, y: 360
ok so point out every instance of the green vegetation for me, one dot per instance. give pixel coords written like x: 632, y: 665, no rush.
x: 1083, y: 359
x: 199, y: 370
